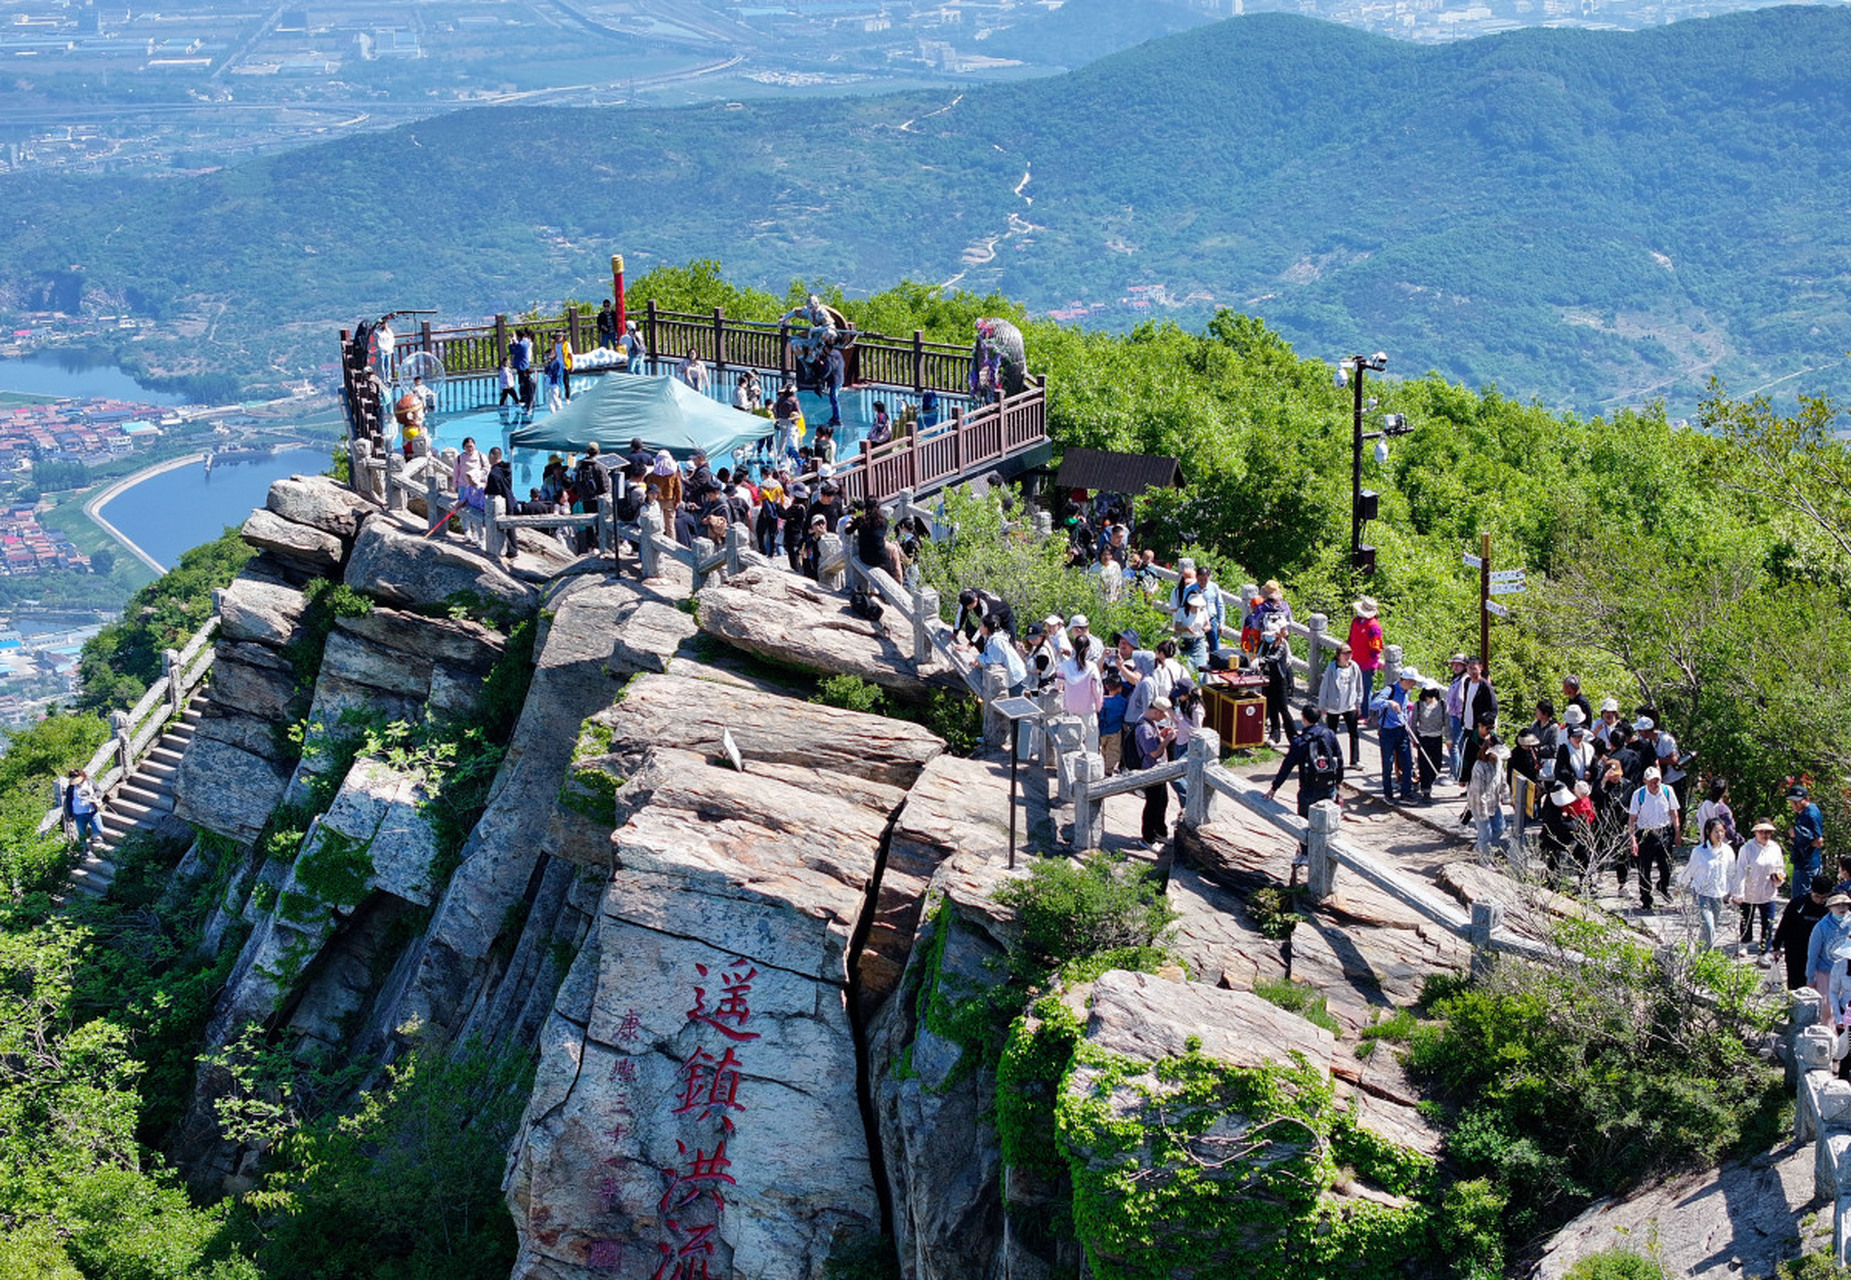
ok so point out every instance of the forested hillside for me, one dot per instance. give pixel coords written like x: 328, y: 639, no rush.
x: 1598, y: 218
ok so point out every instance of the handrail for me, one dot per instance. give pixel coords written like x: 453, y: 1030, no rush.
x: 138, y: 729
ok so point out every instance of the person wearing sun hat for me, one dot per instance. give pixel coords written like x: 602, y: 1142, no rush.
x: 1760, y: 868
x: 1652, y: 820
x: 1561, y: 828
x: 1824, y: 939
x: 1366, y: 645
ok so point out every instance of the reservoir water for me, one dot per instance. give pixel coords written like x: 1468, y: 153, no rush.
x: 174, y: 511
x: 83, y: 375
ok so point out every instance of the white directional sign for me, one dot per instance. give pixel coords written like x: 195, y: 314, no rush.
x: 1507, y: 575
x: 1473, y: 562
x: 1497, y: 608
x: 1506, y: 588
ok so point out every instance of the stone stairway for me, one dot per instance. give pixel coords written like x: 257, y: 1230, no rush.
x: 142, y: 802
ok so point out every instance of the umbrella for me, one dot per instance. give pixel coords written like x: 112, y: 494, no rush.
x: 664, y: 411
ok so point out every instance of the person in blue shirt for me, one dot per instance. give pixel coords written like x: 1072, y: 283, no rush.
x: 1808, y: 835
x: 1828, y: 933
x: 1112, y: 721
x: 1389, y: 709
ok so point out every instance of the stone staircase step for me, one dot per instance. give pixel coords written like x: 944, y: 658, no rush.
x: 165, y: 755
x: 141, y: 792
x: 157, y: 770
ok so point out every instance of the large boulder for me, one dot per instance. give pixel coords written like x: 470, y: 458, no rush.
x: 770, y: 728
x: 300, y: 545
x: 790, y: 620
x: 226, y: 788
x: 319, y: 502
x: 261, y: 612
x: 411, y: 571
x: 701, y: 1095
x: 454, y: 642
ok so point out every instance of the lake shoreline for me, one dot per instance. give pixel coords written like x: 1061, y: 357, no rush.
x: 93, y: 507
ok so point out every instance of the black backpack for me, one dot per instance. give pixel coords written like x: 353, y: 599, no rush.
x: 1321, y: 755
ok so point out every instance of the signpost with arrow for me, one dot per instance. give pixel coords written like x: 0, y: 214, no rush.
x: 1491, y: 582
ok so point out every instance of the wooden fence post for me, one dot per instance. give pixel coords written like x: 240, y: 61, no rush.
x: 925, y: 613
x: 918, y: 362
x: 719, y: 339
x: 655, y: 340
x: 1204, y: 749
x: 572, y: 326
x: 1088, y: 771
x: 501, y: 339
x: 648, y: 554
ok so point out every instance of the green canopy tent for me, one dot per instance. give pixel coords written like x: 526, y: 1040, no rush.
x: 665, y: 412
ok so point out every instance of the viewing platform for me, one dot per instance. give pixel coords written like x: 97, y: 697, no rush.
x: 1007, y: 435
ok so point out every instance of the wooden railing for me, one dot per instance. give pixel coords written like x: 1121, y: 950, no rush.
x: 135, y: 731
x: 874, y: 359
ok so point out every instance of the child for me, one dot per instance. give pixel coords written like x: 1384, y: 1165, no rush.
x: 1112, y: 720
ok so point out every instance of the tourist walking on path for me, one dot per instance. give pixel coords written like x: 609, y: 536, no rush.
x: 1573, y: 697
x: 634, y: 352
x: 1340, y: 695
x: 1708, y: 875
x: 1455, y: 715
x: 1275, y: 662
x: 1318, y: 757
x: 1390, y: 713
x: 663, y: 486
x: 1808, y: 834
x: 81, y: 803
x: 1825, y: 938
x: 1794, y: 932
x: 1653, y: 822
x: 1366, y: 645
x: 1429, y: 722
x: 1760, y: 869
x: 693, y: 371
x: 1716, y: 805
x: 1152, y: 737
x: 1486, y: 792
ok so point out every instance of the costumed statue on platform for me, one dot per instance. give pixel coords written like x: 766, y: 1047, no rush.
x: 822, y: 339
x: 998, y: 364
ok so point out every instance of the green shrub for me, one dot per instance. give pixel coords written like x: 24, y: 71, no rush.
x: 1273, y: 911
x: 1616, y: 1264
x: 1812, y: 1266
x: 851, y: 693
x: 1298, y: 997
x: 1068, y: 911
x: 1470, y: 1226
x: 864, y: 1256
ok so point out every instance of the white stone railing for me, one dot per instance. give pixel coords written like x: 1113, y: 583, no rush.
x: 135, y: 731
x: 1822, y: 1112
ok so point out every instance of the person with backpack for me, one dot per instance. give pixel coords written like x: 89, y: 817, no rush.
x: 1318, y: 757
x: 1653, y: 820
x: 635, y: 354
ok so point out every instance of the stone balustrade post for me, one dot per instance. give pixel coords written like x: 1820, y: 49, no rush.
x: 119, y: 729
x: 829, y: 551
x: 1391, y: 666
x: 1037, y: 743
x: 1087, y: 770
x: 1204, y: 749
x: 395, y: 480
x: 170, y: 668
x: 218, y: 601
x: 492, y: 532
x: 1320, y: 860
x: 1802, y: 1012
x: 606, y: 539
x: 703, y: 548
x: 1066, y: 741
x: 925, y: 613
x: 433, y: 498
x: 649, y: 555
x: 995, y: 725
x: 1487, y: 919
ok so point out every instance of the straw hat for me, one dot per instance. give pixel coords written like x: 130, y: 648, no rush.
x: 1366, y: 607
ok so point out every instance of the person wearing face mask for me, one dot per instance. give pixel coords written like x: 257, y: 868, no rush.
x: 1834, y: 929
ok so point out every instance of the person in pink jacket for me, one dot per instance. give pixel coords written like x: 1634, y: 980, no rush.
x: 1366, y: 645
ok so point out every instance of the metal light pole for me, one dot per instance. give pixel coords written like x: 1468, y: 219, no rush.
x: 1364, y: 503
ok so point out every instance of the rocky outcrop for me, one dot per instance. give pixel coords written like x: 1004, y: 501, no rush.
x: 319, y: 502
x: 408, y: 570
x: 712, y: 1095
x: 299, y: 545
x: 403, y: 666
x: 790, y: 620
x: 260, y: 612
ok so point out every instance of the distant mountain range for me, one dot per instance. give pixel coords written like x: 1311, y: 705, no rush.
x: 1595, y: 218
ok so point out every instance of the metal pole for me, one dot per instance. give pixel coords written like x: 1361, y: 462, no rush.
x: 1356, y: 471
x: 1014, y: 757
x: 1484, y: 602
x: 617, y: 289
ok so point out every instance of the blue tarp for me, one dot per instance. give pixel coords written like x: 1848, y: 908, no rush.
x: 665, y: 412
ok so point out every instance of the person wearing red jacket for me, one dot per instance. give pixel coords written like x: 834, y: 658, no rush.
x: 1366, y: 645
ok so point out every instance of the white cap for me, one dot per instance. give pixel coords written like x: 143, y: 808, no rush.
x: 1077, y: 620
x: 1652, y: 775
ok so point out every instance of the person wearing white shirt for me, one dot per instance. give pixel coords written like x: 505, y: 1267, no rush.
x: 1708, y: 875
x: 1652, y: 824
x: 1000, y: 651
x: 1760, y: 869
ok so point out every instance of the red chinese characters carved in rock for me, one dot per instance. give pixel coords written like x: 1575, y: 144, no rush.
x: 729, y: 1016
x: 710, y: 1087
